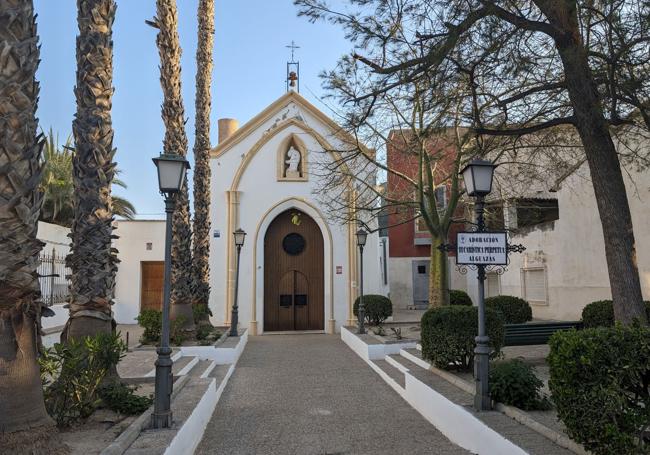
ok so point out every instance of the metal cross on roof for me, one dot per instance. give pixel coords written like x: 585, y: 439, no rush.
x: 293, y: 47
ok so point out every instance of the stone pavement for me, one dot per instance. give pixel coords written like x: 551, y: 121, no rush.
x: 310, y: 394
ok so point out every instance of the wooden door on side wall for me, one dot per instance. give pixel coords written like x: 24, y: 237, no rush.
x: 151, y: 285
x: 293, y: 274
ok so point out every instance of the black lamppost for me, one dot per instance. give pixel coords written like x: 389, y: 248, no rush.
x: 478, y: 183
x: 362, y: 235
x: 171, y: 176
x: 239, y: 235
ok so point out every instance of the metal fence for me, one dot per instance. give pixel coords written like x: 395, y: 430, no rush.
x: 54, y: 278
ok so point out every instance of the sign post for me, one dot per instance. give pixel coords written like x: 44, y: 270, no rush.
x: 480, y: 249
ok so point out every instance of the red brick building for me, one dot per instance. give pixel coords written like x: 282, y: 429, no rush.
x: 409, y: 239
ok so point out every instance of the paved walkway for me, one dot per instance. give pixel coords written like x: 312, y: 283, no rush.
x: 310, y: 394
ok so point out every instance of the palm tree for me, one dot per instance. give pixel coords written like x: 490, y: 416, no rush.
x: 24, y: 423
x: 92, y: 261
x: 201, y: 265
x: 175, y: 142
x: 58, y: 188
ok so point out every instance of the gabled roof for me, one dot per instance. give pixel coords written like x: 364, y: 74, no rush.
x: 271, y: 110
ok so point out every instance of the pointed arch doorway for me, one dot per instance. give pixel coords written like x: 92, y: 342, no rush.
x: 293, y: 273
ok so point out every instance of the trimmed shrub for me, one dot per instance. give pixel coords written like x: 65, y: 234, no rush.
x: 122, y: 398
x: 73, y: 372
x: 448, y: 334
x: 458, y: 297
x: 514, y: 382
x: 513, y: 309
x: 601, y: 314
x: 600, y: 386
x: 378, y: 308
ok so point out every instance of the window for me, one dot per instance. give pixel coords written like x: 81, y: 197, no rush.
x: 534, y: 285
x: 531, y: 212
x: 492, y: 285
x: 494, y: 216
x: 422, y: 269
x: 149, y: 246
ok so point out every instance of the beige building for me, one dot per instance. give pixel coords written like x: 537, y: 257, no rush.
x: 564, y: 267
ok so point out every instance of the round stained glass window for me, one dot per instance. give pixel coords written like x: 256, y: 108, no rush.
x: 293, y: 244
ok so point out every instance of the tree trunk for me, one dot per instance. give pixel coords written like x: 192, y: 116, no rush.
x: 201, y: 244
x: 175, y: 142
x: 24, y: 424
x: 438, y: 273
x: 606, y: 175
x: 92, y: 259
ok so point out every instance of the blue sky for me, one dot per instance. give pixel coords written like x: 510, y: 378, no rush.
x: 249, y: 73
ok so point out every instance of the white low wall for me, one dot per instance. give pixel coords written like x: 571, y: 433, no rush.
x: 373, y: 351
x: 222, y: 356
x: 58, y: 320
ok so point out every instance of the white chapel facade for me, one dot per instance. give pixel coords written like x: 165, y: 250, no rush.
x: 298, y: 268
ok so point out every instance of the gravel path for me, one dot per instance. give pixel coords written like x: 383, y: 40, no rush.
x: 310, y: 394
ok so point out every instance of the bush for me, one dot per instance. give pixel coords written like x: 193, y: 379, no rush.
x: 73, y: 372
x: 514, y: 382
x: 122, y: 398
x: 600, y: 386
x: 151, y: 322
x: 448, y: 334
x: 457, y: 297
x: 378, y: 308
x: 513, y: 309
x: 601, y: 314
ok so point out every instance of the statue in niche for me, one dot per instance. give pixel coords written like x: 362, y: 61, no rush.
x: 293, y: 163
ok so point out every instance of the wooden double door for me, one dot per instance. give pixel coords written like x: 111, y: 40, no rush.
x: 293, y: 274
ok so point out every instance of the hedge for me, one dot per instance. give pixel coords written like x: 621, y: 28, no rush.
x: 513, y: 309
x: 601, y: 314
x: 377, y: 308
x: 600, y: 386
x: 458, y: 297
x: 447, y: 335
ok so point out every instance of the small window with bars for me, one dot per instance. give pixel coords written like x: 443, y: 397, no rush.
x: 534, y: 285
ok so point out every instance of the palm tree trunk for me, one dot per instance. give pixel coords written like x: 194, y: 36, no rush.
x: 24, y: 423
x: 92, y: 260
x: 201, y: 265
x: 175, y: 142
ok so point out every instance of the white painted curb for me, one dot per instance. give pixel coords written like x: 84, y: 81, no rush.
x: 455, y: 422
x: 190, y: 434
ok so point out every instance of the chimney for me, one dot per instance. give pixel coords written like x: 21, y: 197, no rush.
x: 227, y: 126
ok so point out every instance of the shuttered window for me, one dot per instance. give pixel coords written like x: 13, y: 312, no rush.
x: 492, y: 285
x: 534, y: 285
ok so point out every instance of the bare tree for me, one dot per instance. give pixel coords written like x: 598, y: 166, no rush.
x: 532, y: 65
x: 422, y: 145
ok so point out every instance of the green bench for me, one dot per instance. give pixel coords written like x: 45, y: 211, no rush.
x: 536, y: 332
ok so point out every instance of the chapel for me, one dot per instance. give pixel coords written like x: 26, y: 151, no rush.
x: 298, y: 267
